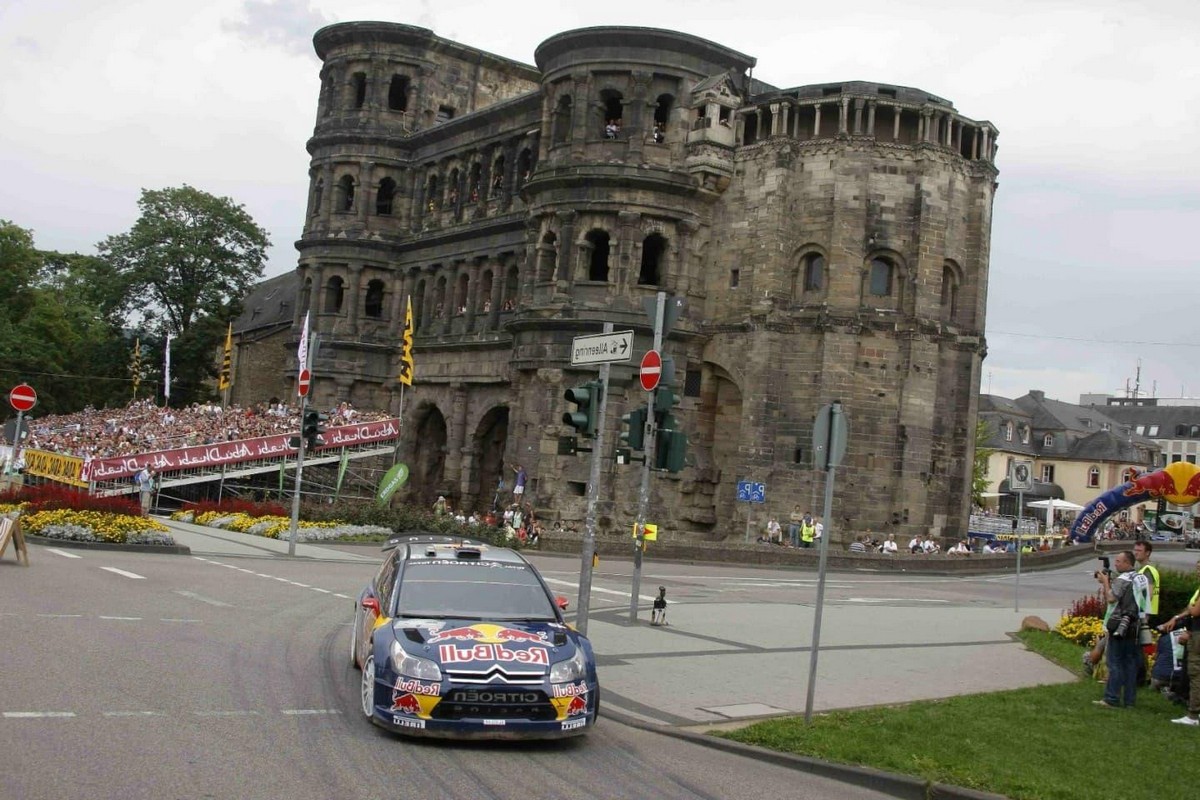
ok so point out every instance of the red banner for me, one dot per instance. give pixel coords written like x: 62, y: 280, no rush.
x: 210, y: 455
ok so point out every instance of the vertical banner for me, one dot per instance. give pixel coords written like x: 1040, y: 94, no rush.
x: 406, y: 358
x: 167, y: 372
x: 225, y: 380
x: 302, y: 352
x: 135, y: 366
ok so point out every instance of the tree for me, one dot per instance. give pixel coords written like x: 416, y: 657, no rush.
x: 979, y: 478
x: 190, y: 258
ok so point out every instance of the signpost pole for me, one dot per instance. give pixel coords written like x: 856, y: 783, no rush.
x: 1017, y: 588
x: 835, y: 430
x: 644, y: 491
x: 12, y: 455
x: 593, y: 490
x: 294, y: 532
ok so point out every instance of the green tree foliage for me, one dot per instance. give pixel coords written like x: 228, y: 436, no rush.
x: 185, y: 265
x: 979, y: 478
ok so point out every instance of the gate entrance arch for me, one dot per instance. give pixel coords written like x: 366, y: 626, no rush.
x: 488, y: 443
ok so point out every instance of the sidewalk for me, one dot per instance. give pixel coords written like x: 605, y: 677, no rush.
x: 205, y: 541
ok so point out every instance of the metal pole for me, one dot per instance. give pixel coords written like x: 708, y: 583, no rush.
x: 644, y: 491
x: 1017, y: 589
x: 12, y: 453
x: 826, y: 535
x: 299, y: 471
x: 748, y: 510
x: 593, y: 491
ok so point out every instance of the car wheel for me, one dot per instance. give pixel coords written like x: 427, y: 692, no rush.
x: 368, y: 687
x: 354, y: 640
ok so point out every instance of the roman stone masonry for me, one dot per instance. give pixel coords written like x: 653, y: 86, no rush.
x: 830, y: 243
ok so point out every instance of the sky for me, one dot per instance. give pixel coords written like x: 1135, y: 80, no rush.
x: 1097, y: 104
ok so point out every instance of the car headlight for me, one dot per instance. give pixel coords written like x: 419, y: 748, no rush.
x: 412, y: 667
x: 573, y: 669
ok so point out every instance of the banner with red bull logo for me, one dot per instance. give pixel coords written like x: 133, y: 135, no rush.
x: 1177, y: 483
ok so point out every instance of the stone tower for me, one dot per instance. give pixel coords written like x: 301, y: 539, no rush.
x: 830, y: 243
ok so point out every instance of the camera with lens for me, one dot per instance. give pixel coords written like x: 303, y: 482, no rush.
x: 1105, y: 567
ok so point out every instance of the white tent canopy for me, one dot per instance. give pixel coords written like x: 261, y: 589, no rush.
x: 1058, y: 505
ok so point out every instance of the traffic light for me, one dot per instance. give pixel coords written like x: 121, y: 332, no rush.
x: 634, y: 434
x: 312, y: 428
x: 585, y: 418
x: 670, y: 450
x: 665, y: 401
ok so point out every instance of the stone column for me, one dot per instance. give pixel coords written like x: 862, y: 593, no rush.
x: 871, y: 118
x: 365, y: 198
x: 975, y: 146
x: 330, y: 190
x: 448, y: 305
x: 472, y: 301
x: 456, y: 434
x: 858, y: 116
x: 759, y: 133
x: 987, y: 145
x: 304, y: 272
x: 580, y: 112
x: 844, y: 116
x: 354, y: 295
x: 318, y: 295
x: 566, y: 248
x: 775, y: 118
x: 628, y: 227
x: 548, y: 108
x: 685, y: 230
x: 400, y: 290
x: 816, y: 121
x: 428, y: 320
x: 636, y: 129
x: 896, y: 123
x: 493, y: 319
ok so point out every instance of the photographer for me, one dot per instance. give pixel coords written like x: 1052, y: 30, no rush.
x: 1190, y: 617
x: 1122, y: 652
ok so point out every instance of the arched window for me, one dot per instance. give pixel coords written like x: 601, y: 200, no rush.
x: 433, y: 198
x: 473, y: 194
x: 452, y: 198
x: 1128, y: 474
x: 1008, y: 431
x: 330, y: 89
x: 439, y: 298
x: 418, y: 305
x: 346, y: 193
x: 1048, y: 440
x: 306, y: 294
x: 598, y: 258
x: 812, y: 272
x: 335, y: 292
x: 510, y: 289
x: 654, y: 247
x: 662, y: 117
x: 318, y: 196
x: 561, y: 126
x: 547, y: 257
x: 612, y: 113
x: 524, y: 167
x: 359, y: 81
x: 881, y: 277
x: 460, y: 294
x: 385, y: 196
x: 483, y: 301
x: 398, y: 93
x: 1093, y: 477
x: 1024, y: 434
x: 497, y: 177
x: 949, y: 292
x: 373, y: 304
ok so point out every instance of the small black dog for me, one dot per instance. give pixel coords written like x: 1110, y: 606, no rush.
x: 659, y: 615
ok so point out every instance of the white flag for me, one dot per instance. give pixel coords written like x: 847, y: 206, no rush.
x: 167, y: 372
x: 302, y: 353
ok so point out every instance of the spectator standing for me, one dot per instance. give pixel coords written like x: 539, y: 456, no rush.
x: 794, y: 523
x: 519, y: 483
x: 808, y: 531
x: 1141, y: 555
x: 1190, y: 618
x: 145, y: 482
x: 1122, y: 652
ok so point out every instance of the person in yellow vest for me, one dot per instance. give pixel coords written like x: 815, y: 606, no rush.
x: 1141, y: 553
x: 808, y: 531
x: 1190, y: 618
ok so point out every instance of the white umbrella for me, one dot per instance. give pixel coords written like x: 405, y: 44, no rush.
x: 1050, y: 505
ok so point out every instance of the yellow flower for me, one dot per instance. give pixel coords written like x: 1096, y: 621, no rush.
x: 1081, y: 630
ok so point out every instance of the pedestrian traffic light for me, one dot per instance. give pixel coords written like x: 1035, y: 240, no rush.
x: 586, y: 416
x: 665, y: 401
x: 670, y: 450
x: 633, y: 434
x: 313, y: 428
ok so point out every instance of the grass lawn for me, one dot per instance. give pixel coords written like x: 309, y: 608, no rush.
x: 1043, y: 743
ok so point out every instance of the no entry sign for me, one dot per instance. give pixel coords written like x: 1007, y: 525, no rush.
x: 651, y: 370
x: 303, y: 383
x: 22, y: 397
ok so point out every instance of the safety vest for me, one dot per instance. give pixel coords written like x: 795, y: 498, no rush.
x: 807, y: 532
x: 1153, y: 594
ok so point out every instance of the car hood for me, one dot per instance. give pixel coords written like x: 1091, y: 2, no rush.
x: 525, y: 647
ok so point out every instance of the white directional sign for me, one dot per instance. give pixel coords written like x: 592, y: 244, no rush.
x: 602, y: 348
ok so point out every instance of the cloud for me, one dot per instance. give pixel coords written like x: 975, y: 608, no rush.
x: 286, y: 24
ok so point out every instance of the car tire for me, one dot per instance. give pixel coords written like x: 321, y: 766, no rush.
x: 367, y: 690
x: 354, y: 640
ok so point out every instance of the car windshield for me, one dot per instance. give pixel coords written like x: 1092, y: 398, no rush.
x: 464, y: 589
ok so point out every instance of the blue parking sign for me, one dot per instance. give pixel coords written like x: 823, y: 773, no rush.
x: 751, y: 492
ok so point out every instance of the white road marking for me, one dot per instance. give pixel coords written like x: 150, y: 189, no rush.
x: 225, y: 713
x: 135, y: 713
x: 599, y: 589
x: 37, y: 714
x: 61, y: 616
x: 318, y: 589
x: 343, y: 596
x: 176, y: 619
x: 301, y: 585
x: 62, y: 553
x: 889, y: 600
x: 128, y: 619
x: 133, y: 575
x: 201, y: 598
x: 293, y: 712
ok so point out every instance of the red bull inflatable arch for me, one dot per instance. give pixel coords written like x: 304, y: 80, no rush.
x: 1177, y: 483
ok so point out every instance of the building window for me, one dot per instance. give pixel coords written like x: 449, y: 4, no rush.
x: 735, y: 276
x: 359, y: 80
x: 373, y: 306
x: 597, y: 241
x: 398, y: 93
x: 524, y: 166
x: 949, y: 292
x: 560, y: 130
x: 547, y: 257
x: 1194, y: 431
x: 662, y: 116
x: 1153, y: 431
x: 1141, y: 430
x: 346, y: 193
x: 654, y: 247
x: 1008, y: 431
x: 335, y: 290
x: 1047, y: 473
x: 812, y: 272
x: 385, y: 197
x: 1093, y: 477
x: 497, y: 177
x: 444, y: 114
x: 1181, y: 431
x: 1048, y: 440
x: 612, y: 112
x: 1024, y: 434
x: 318, y: 196
x: 881, y: 277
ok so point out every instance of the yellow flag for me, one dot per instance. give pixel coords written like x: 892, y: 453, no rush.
x: 226, y: 361
x: 406, y: 357
x: 135, y: 366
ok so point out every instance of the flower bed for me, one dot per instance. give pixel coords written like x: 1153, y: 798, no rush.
x: 274, y: 526
x: 95, y: 526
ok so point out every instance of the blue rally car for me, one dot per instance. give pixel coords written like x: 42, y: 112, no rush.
x: 457, y: 638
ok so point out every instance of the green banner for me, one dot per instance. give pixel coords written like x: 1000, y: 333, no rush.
x: 396, y: 477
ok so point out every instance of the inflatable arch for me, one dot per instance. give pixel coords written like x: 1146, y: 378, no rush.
x: 1177, y: 483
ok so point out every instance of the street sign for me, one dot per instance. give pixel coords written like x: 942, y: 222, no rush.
x: 22, y: 397
x: 304, y: 382
x: 602, y: 348
x: 751, y: 492
x: 1020, y: 476
x: 824, y: 436
x: 651, y: 370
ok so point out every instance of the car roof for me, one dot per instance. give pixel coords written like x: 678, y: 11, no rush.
x: 459, y: 550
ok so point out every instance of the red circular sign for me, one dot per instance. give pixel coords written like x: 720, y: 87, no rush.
x: 303, y: 383
x: 22, y: 397
x: 651, y: 370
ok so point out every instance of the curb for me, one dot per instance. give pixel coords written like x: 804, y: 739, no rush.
x: 167, y: 549
x: 894, y: 784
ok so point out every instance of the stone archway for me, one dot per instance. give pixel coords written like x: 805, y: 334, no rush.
x: 721, y: 420
x: 428, y: 468
x: 488, y: 443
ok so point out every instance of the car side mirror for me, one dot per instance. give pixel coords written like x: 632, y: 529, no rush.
x: 562, y: 602
x: 371, y: 604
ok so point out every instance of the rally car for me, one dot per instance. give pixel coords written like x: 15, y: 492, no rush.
x: 457, y: 638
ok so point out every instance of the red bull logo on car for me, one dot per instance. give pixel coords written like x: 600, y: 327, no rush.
x: 417, y: 687
x: 486, y: 633
x: 453, y: 654
x: 569, y: 689
x: 407, y: 703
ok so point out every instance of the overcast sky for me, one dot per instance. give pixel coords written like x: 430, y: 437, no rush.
x: 1098, y: 106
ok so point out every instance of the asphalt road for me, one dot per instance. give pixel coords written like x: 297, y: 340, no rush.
x: 126, y: 675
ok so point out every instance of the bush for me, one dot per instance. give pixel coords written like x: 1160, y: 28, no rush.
x: 49, y: 497
x: 1092, y: 605
x: 64, y: 523
x: 1177, y: 589
x: 236, y: 505
x: 1081, y: 630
